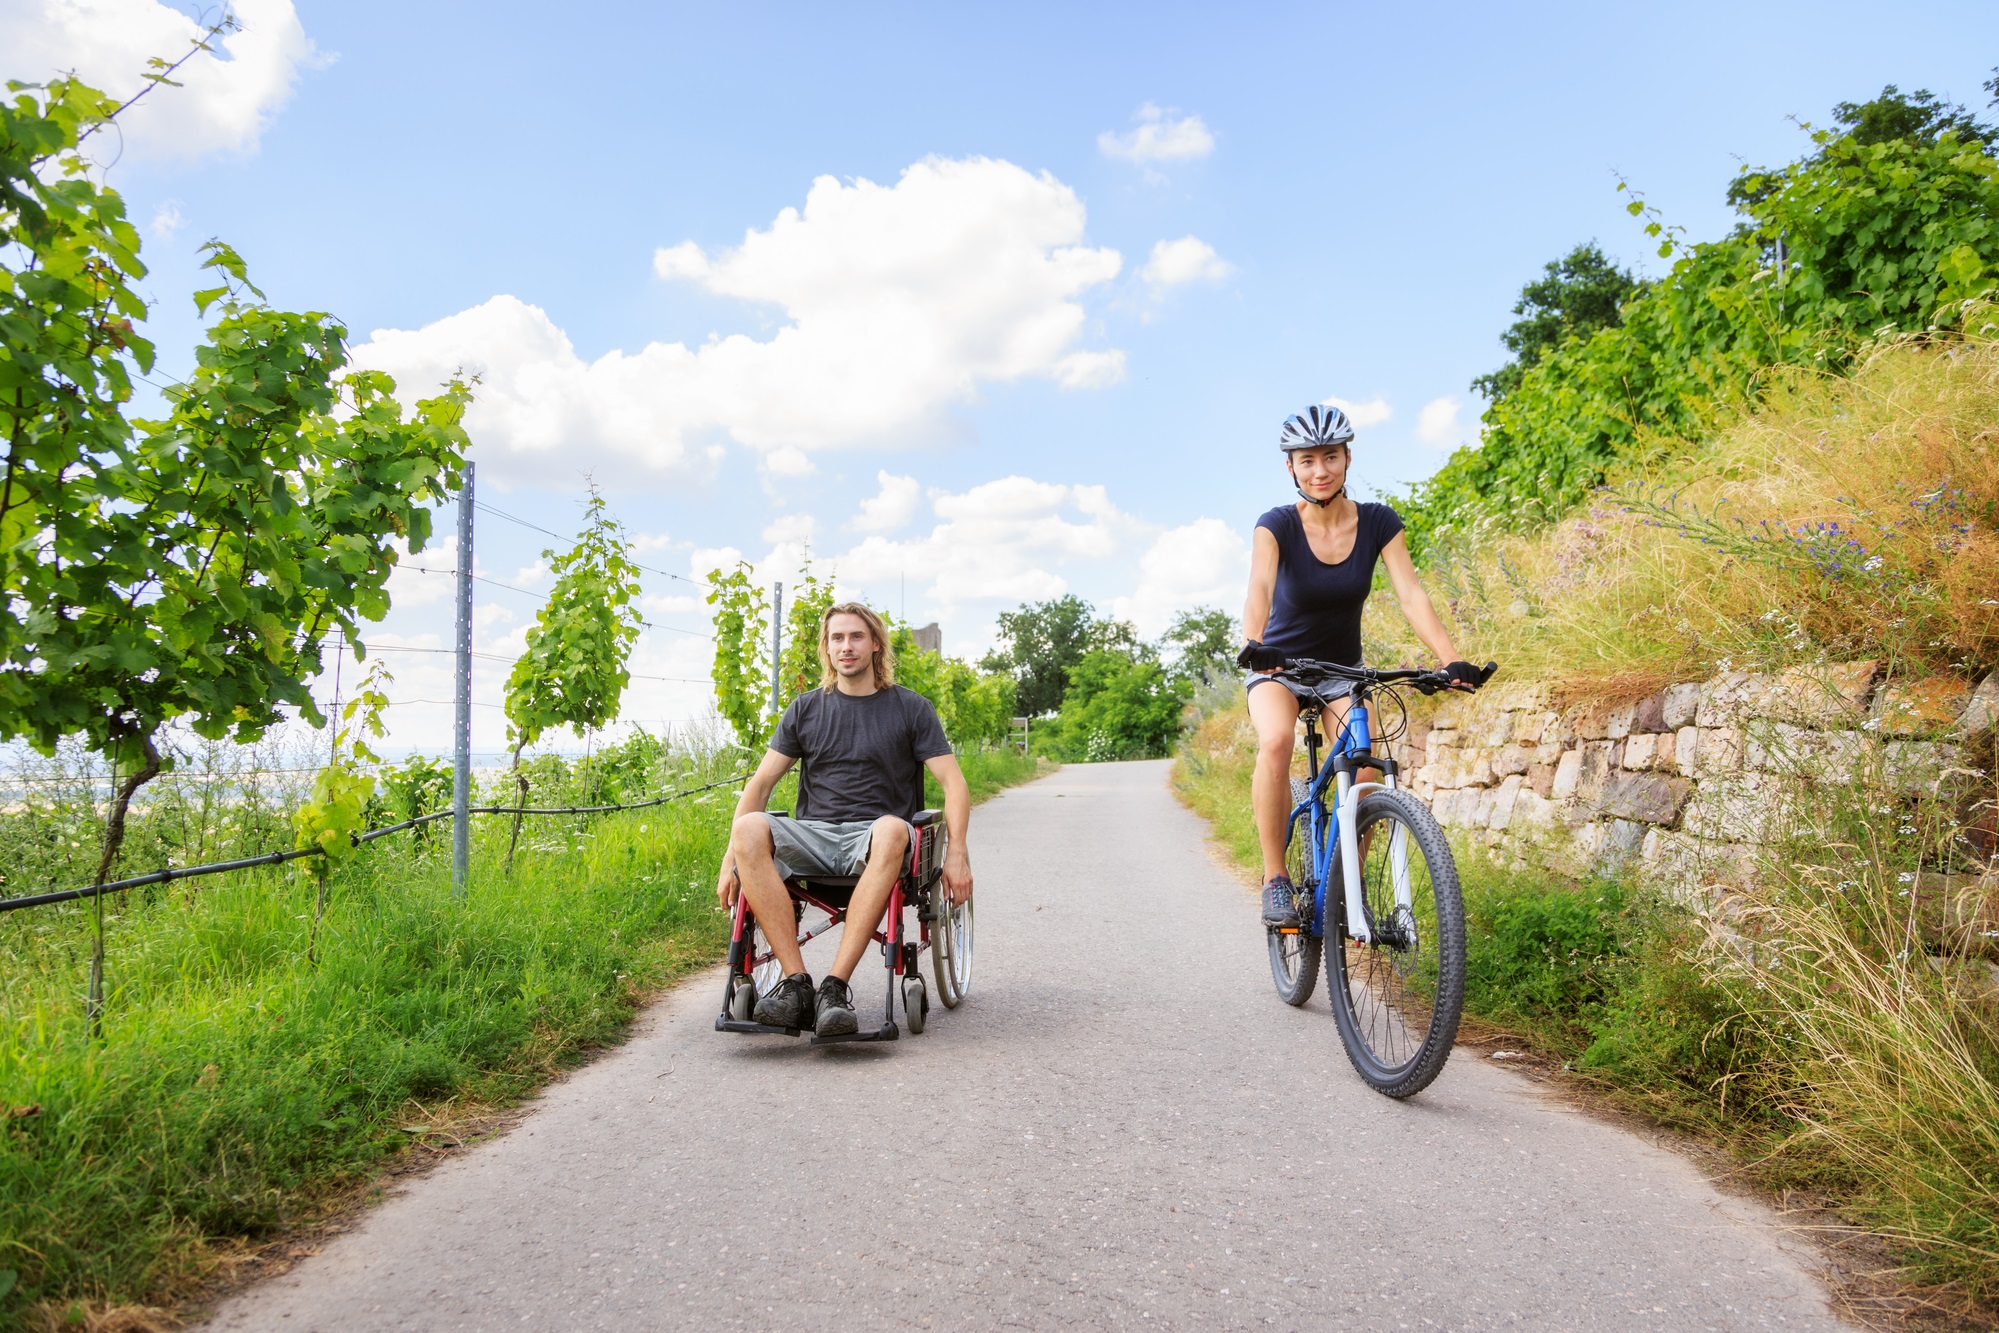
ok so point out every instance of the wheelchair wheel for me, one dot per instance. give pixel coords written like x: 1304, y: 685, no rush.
x: 743, y: 1000
x: 951, y: 949
x: 915, y: 1003
x: 764, y: 976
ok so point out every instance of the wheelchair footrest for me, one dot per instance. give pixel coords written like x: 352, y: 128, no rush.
x: 724, y: 1023
x: 886, y: 1032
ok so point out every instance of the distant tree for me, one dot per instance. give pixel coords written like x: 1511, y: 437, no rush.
x: 1119, y: 707
x: 1574, y: 297
x: 1919, y: 117
x: 1206, y: 641
x: 1038, y: 643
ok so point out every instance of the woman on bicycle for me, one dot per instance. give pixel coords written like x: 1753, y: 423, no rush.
x: 1309, y: 576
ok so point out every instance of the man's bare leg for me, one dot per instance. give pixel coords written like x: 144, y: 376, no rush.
x: 763, y: 887
x: 887, y: 847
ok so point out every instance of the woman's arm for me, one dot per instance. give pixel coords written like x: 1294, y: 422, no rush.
x: 1262, y: 585
x: 1416, y: 607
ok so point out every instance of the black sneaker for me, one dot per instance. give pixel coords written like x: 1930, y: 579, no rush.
x: 1280, y: 903
x: 836, y: 1009
x: 789, y: 1004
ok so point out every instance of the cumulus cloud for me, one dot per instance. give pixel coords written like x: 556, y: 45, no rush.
x: 1203, y: 563
x: 1437, y: 424
x: 892, y: 507
x: 1159, y: 134
x: 227, y: 97
x: 899, y: 302
x: 1370, y: 413
x: 1189, y: 259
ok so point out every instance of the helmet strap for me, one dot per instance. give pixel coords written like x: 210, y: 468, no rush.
x: 1321, y: 503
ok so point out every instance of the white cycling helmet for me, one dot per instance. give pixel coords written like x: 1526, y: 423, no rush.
x: 1317, y: 427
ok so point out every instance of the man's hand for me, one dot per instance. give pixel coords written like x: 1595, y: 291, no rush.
x: 957, y: 876
x: 728, y: 885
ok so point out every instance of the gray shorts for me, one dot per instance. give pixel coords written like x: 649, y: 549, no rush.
x: 808, y: 847
x: 1323, y: 694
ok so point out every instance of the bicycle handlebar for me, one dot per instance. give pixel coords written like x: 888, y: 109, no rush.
x: 1307, y: 671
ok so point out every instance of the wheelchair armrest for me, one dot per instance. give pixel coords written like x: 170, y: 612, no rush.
x: 925, y: 818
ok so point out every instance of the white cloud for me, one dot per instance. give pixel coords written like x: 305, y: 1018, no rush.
x: 227, y: 96
x: 797, y: 528
x: 166, y: 221
x: 1159, y: 135
x: 789, y: 462
x: 1437, y: 423
x: 1370, y: 413
x: 893, y: 506
x: 1189, y: 259
x: 899, y: 302
x: 1203, y: 563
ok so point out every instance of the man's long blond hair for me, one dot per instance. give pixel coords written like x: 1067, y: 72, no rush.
x: 884, y: 655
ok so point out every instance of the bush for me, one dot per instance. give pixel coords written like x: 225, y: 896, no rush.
x: 1548, y: 956
x: 1118, y: 707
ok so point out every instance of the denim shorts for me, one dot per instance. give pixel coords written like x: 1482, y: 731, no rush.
x: 808, y: 847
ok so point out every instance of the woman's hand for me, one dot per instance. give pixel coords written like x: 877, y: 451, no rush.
x: 1464, y: 676
x: 1256, y: 657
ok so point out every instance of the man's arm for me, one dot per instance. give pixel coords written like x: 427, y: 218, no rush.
x: 756, y: 795
x: 957, y: 820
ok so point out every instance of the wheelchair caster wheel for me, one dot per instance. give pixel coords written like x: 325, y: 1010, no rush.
x: 743, y: 1001
x: 915, y: 1004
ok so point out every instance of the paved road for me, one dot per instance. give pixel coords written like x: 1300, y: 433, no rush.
x: 1121, y: 1128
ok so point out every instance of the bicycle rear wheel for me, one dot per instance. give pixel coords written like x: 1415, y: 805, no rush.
x: 1397, y: 998
x: 1294, y: 954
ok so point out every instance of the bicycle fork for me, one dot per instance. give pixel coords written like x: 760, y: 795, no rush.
x: 1347, y: 841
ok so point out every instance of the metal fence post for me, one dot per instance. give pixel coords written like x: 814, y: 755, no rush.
x: 776, y: 644
x: 461, y: 731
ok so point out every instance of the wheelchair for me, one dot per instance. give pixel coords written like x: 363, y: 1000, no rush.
x: 943, y: 930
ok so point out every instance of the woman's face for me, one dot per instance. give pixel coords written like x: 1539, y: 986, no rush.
x: 1318, y: 472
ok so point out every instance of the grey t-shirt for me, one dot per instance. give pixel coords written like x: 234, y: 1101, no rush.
x: 860, y: 757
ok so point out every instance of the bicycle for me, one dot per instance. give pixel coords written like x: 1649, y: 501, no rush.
x: 1398, y: 977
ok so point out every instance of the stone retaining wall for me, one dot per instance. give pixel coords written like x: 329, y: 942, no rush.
x: 1692, y: 779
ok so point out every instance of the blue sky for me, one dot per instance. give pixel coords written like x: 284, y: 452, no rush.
x: 961, y: 372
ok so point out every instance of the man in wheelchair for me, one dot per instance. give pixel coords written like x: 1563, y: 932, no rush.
x: 862, y: 742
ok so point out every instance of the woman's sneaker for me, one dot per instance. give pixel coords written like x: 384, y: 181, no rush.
x: 789, y: 1004
x: 836, y: 1009
x: 1280, y: 903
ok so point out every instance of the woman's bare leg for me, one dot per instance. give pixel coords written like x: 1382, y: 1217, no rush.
x: 1274, y: 711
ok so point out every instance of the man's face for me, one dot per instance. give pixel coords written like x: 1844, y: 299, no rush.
x: 850, y: 644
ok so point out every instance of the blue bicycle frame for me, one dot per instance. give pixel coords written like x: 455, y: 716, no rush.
x: 1323, y: 843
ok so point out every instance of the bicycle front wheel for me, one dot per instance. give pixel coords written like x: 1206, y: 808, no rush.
x: 1397, y: 998
x: 1294, y: 954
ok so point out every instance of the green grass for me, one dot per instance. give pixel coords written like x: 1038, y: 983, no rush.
x: 238, y: 1087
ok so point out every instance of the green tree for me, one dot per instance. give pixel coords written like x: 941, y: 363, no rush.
x: 808, y: 598
x: 1119, y: 707
x: 1574, y: 297
x: 1038, y: 643
x: 1920, y: 117
x: 573, y: 671
x: 1205, y: 642
x: 190, y: 568
x: 974, y: 706
x: 742, y: 653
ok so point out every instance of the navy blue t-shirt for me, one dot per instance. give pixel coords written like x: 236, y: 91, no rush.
x: 1315, y: 608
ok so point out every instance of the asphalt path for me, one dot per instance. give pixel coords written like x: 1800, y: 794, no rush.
x: 1121, y: 1127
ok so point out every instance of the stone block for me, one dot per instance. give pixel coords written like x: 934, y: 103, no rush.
x: 1504, y: 798
x: 1742, y: 807
x: 1822, y: 756
x: 1513, y: 696
x: 1618, y: 725
x: 1481, y: 811
x: 1591, y: 722
x: 1450, y: 708
x: 1647, y: 798
x: 1662, y: 752
x: 1478, y: 770
x: 1532, y: 809
x: 1508, y: 760
x: 1681, y: 702
x: 1621, y: 841
x: 1917, y: 767
x: 1440, y: 735
x: 1541, y: 779
x: 1499, y: 729
x: 1981, y: 715
x: 1649, y: 714
x: 1686, y: 747
x: 1443, y: 767
x: 1600, y: 760
x: 1444, y: 808
x: 1568, y: 772
x: 1920, y: 707
x: 1639, y: 750
x: 1725, y: 700
x: 1534, y: 727
x: 1719, y: 749
x: 1814, y: 696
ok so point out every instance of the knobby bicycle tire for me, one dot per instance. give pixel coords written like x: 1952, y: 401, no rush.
x: 1294, y: 955
x: 1397, y: 1000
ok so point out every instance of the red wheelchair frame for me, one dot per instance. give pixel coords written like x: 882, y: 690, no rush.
x: 918, y: 883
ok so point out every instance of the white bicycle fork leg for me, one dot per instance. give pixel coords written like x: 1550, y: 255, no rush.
x: 1350, y: 863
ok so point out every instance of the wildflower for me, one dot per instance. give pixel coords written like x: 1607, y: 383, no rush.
x: 1872, y: 563
x: 1905, y: 877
